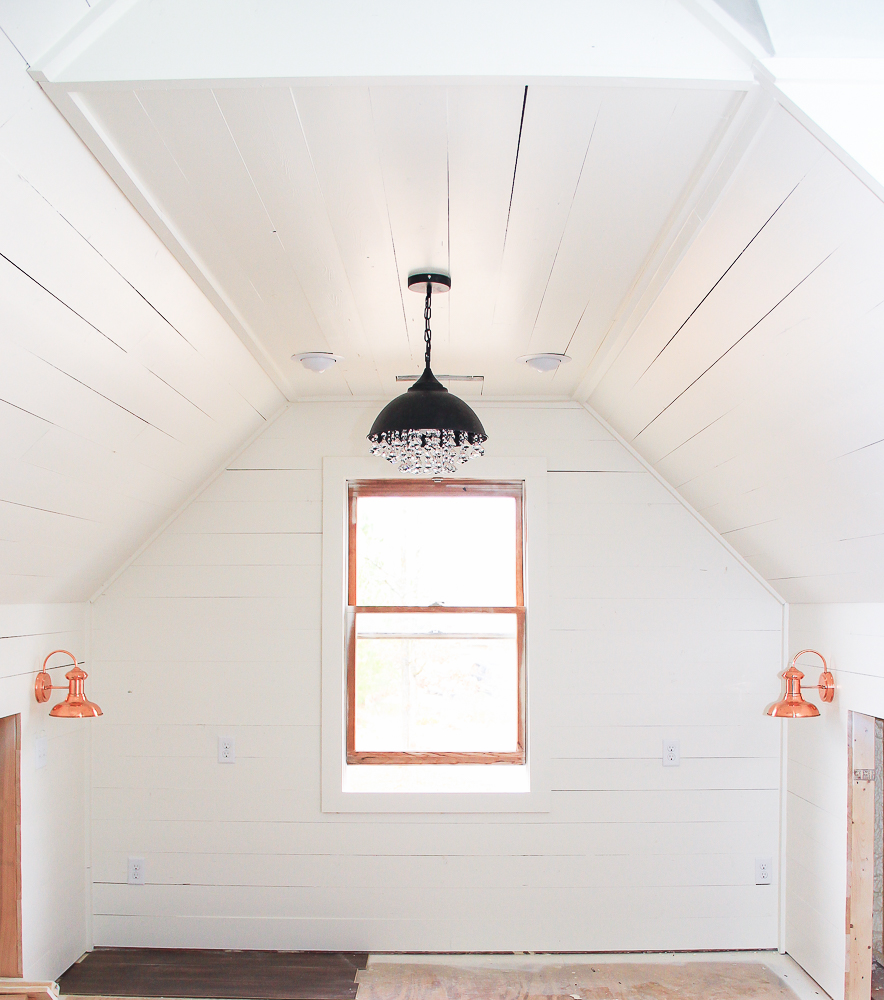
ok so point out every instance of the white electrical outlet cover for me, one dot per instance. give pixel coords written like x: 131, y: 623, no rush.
x: 41, y: 752
x: 671, y: 753
x: 135, y: 875
x: 763, y: 871
x: 226, y: 750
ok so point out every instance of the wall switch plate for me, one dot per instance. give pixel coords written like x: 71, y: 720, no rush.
x: 671, y: 753
x: 41, y: 753
x: 226, y: 750
x: 136, y: 871
x: 763, y: 871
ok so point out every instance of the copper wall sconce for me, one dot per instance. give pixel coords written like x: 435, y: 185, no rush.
x: 76, y: 705
x: 793, y: 705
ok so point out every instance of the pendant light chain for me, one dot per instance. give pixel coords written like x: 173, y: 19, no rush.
x: 427, y: 313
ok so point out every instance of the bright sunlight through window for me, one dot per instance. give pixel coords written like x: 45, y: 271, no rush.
x: 436, y: 670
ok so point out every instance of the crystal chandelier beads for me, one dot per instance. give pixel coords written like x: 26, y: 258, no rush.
x: 427, y: 430
x: 426, y: 451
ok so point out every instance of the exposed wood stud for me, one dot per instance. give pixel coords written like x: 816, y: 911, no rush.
x: 860, y: 855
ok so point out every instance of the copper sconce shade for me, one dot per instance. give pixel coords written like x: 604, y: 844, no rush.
x: 76, y: 705
x: 793, y: 705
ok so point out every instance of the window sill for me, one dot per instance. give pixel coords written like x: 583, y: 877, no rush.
x: 462, y: 788
x: 437, y: 778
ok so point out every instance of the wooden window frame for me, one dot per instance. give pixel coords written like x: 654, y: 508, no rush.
x: 444, y: 487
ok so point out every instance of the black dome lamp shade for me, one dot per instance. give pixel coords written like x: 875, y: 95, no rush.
x: 427, y: 429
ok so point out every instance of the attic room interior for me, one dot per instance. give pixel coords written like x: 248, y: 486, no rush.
x: 441, y: 526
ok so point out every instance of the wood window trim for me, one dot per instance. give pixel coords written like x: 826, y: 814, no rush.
x: 445, y: 487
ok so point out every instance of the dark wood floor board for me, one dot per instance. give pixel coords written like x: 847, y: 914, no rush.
x: 232, y: 975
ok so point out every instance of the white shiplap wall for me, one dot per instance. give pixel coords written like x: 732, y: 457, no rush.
x: 56, y: 911
x: 656, y: 631
x: 851, y: 637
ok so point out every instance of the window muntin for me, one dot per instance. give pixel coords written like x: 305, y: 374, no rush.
x: 436, y: 623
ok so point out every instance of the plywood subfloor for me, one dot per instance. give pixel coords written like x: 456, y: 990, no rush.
x: 614, y: 981
x: 237, y: 975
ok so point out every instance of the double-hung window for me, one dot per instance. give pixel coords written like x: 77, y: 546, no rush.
x: 435, y: 623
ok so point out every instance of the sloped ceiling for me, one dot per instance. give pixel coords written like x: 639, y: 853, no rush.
x: 121, y: 388
x: 639, y: 199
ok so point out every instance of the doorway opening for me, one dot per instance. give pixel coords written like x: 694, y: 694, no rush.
x: 10, y: 846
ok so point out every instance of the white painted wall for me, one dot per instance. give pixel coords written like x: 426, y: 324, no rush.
x: 56, y: 886
x: 851, y: 637
x: 656, y: 631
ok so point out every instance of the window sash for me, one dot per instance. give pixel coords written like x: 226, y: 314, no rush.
x: 446, y: 487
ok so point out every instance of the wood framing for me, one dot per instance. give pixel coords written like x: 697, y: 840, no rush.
x: 424, y: 488
x: 10, y: 846
x: 860, y: 854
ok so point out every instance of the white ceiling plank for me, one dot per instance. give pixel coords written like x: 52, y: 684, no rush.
x: 483, y: 137
x: 31, y: 486
x: 270, y: 139
x: 556, y: 133
x: 814, y: 224
x: 36, y: 240
x: 781, y: 155
x: 411, y: 126
x: 100, y: 442
x: 44, y: 329
x: 69, y: 455
x: 712, y: 177
x: 29, y: 383
x: 107, y: 226
x: 58, y: 284
x: 764, y: 442
x: 227, y: 219
x: 341, y: 137
x: 644, y: 150
x: 19, y: 430
x: 160, y: 190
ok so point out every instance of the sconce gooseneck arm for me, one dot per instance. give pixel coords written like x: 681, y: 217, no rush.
x: 43, y: 670
x: 43, y: 685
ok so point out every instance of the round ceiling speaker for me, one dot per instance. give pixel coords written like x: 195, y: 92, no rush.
x: 317, y: 361
x: 544, y: 362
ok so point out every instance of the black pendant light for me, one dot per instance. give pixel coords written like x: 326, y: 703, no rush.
x: 427, y: 429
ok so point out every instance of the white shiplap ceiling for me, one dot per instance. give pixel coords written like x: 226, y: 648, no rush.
x: 121, y: 389
x: 645, y: 205
x: 308, y: 207
x: 753, y: 383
